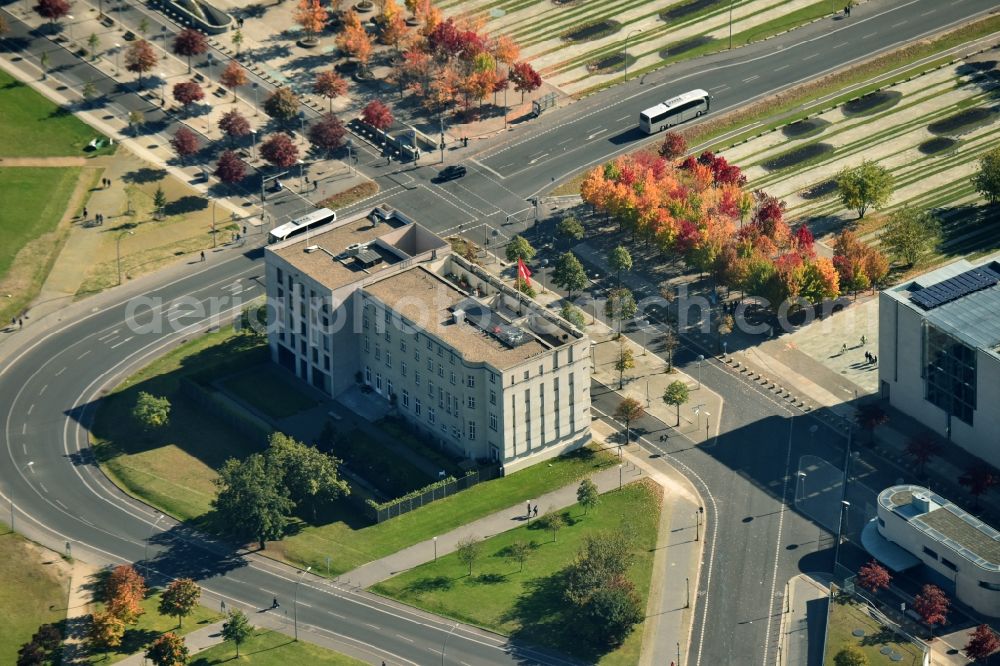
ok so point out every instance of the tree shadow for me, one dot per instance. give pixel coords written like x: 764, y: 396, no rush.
x: 429, y: 584
x: 186, y: 204
x: 144, y: 175
x: 489, y: 578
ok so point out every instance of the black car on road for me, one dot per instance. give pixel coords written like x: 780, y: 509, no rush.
x: 450, y: 172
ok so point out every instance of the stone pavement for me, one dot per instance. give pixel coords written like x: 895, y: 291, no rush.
x: 803, y: 622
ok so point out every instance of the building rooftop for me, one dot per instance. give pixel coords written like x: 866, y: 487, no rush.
x: 356, y: 247
x: 959, y: 531
x: 430, y: 302
x: 961, y: 299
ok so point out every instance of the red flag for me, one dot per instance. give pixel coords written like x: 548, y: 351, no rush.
x: 522, y: 272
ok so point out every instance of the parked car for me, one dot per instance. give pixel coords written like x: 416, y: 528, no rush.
x: 450, y: 172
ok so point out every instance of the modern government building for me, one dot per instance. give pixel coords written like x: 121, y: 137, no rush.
x: 377, y: 300
x: 939, y: 353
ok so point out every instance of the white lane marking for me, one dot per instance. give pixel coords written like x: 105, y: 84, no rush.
x: 31, y: 408
x: 61, y: 371
x: 722, y: 87
x: 841, y: 44
x: 42, y: 486
x: 302, y: 603
x: 810, y: 56
x: 618, y: 120
x: 108, y: 335
x: 778, y: 69
x: 59, y: 502
x: 43, y: 389
x: 870, y: 34
x: 404, y: 638
x: 777, y: 541
x: 342, y: 617
x: 538, y: 158
x: 24, y: 428
x: 373, y: 626
x: 565, y: 141
x: 752, y: 78
x: 596, y: 133
x: 82, y: 355
x: 24, y: 448
x: 896, y: 25
x: 119, y: 344
x: 929, y: 12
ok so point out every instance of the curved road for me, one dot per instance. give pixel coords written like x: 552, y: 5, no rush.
x: 48, y: 386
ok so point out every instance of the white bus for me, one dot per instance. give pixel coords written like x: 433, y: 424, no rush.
x: 300, y: 225
x: 683, y: 107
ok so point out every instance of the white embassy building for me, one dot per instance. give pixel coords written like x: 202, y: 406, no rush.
x: 939, y: 353
x: 961, y: 552
x: 377, y: 299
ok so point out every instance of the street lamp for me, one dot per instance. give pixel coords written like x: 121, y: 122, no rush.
x: 802, y: 485
x: 214, y: 238
x: 697, y: 523
x: 350, y: 156
x: 69, y: 24
x: 209, y: 66
x: 145, y: 546
x: 29, y: 464
x: 118, y: 58
x: 445, y: 643
x: 301, y: 183
x: 118, y: 252
x: 701, y: 358
x: 163, y: 89
x: 642, y: 327
x: 302, y: 125
x: 295, y: 601
x: 253, y: 145
x: 256, y: 106
x: 619, y: 475
x: 435, y: 549
x: 636, y: 31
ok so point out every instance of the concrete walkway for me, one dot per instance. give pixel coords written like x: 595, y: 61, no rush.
x: 803, y: 622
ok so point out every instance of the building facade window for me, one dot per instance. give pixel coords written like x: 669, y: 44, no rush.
x: 368, y: 375
x: 388, y: 386
x: 949, y: 370
x: 930, y: 553
x: 378, y: 382
x: 470, y: 401
x: 470, y: 381
x: 493, y: 397
x: 948, y: 563
x: 472, y: 430
x: 388, y: 358
x: 406, y: 398
x: 451, y: 377
x: 402, y: 346
x: 440, y: 370
x: 417, y: 406
x: 493, y: 422
x: 431, y: 416
x: 430, y: 390
x: 416, y: 378
x: 378, y: 352
x: 366, y: 343
x: 493, y: 378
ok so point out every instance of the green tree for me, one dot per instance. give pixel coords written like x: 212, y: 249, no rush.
x: 570, y: 229
x: 159, y: 202
x: 518, y: 552
x: 143, y: 26
x: 468, y: 550
x: 282, y: 105
x: 676, y: 394
x: 236, y: 628
x: 614, y: 610
x: 620, y: 261
x: 987, y: 179
x: 237, y: 40
x: 624, y: 360
x: 628, y: 410
x: 669, y: 343
x: 909, y: 234
x: 602, y: 558
x: 89, y: 91
x: 168, y: 650
x: 573, y: 315
x: 552, y: 521
x: 151, y: 411
x: 44, y: 62
x: 179, y: 598
x: 310, y: 475
x: 865, y: 186
x: 253, y: 320
x: 587, y: 495
x: 850, y: 656
x: 569, y: 273
x: 252, y: 501
x: 620, y: 306
x: 92, y: 43
x: 519, y: 248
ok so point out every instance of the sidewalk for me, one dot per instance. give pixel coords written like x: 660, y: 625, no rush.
x: 803, y: 622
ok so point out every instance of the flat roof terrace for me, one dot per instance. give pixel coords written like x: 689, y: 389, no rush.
x: 429, y: 301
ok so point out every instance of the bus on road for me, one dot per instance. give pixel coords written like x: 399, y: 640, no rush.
x: 683, y: 107
x: 301, y: 225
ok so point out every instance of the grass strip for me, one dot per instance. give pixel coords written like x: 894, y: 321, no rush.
x: 270, y: 648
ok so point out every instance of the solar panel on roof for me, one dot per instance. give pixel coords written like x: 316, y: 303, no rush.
x: 954, y: 288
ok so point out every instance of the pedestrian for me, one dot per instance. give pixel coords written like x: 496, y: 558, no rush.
x: 875, y: 359
x: 85, y: 212
x: 274, y: 603
x: 307, y: 180
x: 244, y: 230
x: 203, y: 255
x: 529, y: 508
x: 536, y: 511
x: 864, y: 340
x: 843, y: 348
x: 20, y: 323
x: 223, y: 603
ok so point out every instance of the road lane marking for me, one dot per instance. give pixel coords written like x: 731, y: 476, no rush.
x: 337, y: 615
x: 302, y: 603
x: 42, y: 486
x: 82, y: 355
x: 404, y: 638
x: 841, y: 44
x: 896, y: 25
x: 43, y: 389
x: 24, y: 429
x: 597, y: 131
x: 31, y: 408
x: 752, y: 78
x: 778, y: 69
x: 59, y: 502
x: 870, y: 34
x: 722, y: 87
x: 810, y: 56
x: 565, y: 141
x: 618, y: 120
x: 929, y: 12
x: 374, y: 626
x: 61, y: 371
x: 108, y: 335
x: 119, y: 344
x: 538, y: 158
x: 24, y: 447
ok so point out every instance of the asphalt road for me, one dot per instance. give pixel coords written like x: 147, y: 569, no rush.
x: 49, y: 387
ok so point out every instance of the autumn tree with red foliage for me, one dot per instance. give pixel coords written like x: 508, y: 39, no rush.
x: 233, y: 76
x: 377, y: 114
x: 234, y: 124
x: 312, y: 16
x: 327, y: 133
x: 922, y: 447
x: 873, y: 577
x: 983, y: 643
x: 673, y: 146
x: 804, y: 240
x: 860, y: 266
x: 525, y: 78
x: 187, y: 93
x: 189, y: 43
x: 230, y: 168
x: 52, y: 10
x: 140, y: 58
x: 392, y: 26
x: 185, y: 143
x: 932, y: 605
x: 124, y: 590
x: 279, y: 150
x: 329, y: 84
x: 353, y: 39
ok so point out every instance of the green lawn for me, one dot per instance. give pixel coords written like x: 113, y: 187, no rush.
x: 527, y: 603
x: 269, y: 648
x: 35, y: 127
x: 270, y: 390
x: 31, y: 595
x: 32, y: 201
x: 151, y: 624
x: 845, y: 618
